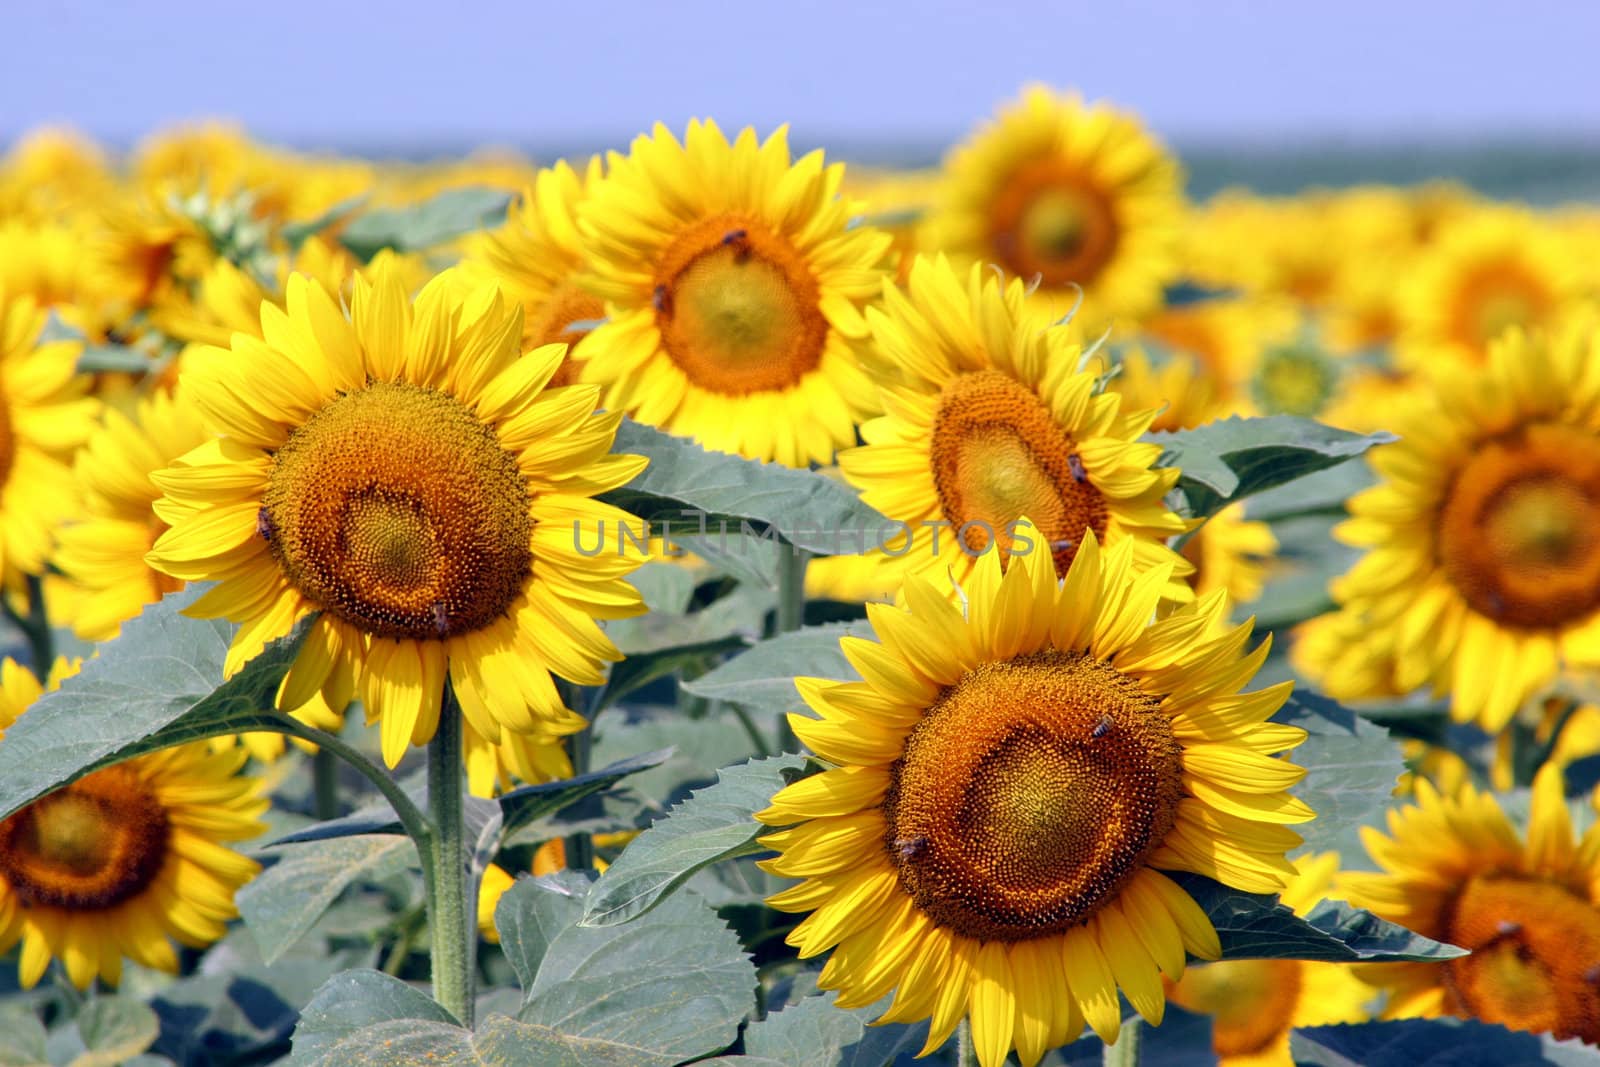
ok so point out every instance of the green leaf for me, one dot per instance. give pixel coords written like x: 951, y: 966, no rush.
x: 738, y: 614
x: 434, y: 221
x: 122, y: 359
x: 1182, y: 1040
x: 1433, y: 1043
x: 352, y: 1002
x: 1251, y: 926
x: 157, y: 685
x: 686, y: 486
x: 762, y: 677
x: 1308, y: 558
x: 817, y: 1031
x: 114, y: 1030
x: 280, y: 905
x: 25, y: 1037
x: 675, y: 985
x: 639, y: 669
x: 1234, y: 458
x: 527, y: 806
x: 1323, y: 493
x: 665, y: 587
x: 1351, y: 769
x: 295, y: 233
x: 716, y: 823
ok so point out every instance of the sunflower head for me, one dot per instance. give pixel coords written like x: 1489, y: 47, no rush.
x: 1078, y: 196
x: 1483, y: 567
x: 733, y: 283
x: 125, y: 859
x: 1005, y: 786
x: 1527, y: 908
x: 406, y: 474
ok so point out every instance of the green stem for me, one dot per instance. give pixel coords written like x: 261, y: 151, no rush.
x: 1125, y: 1052
x: 750, y: 729
x: 791, y: 616
x: 966, y: 1051
x: 325, y: 785
x: 35, y: 627
x: 579, y: 847
x: 411, y: 817
x: 446, y: 868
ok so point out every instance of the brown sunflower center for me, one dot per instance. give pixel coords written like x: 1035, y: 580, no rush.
x: 1535, y: 962
x: 738, y: 309
x: 1029, y: 794
x: 997, y: 455
x: 552, y: 323
x: 1519, y: 529
x: 397, y: 511
x: 1048, y: 221
x: 1251, y: 1002
x: 88, y: 846
x: 1496, y: 297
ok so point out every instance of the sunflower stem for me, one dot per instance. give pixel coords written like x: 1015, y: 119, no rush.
x: 1124, y: 1052
x: 966, y: 1051
x: 792, y: 562
x: 35, y: 627
x: 325, y: 785
x: 454, y: 938
x: 578, y: 848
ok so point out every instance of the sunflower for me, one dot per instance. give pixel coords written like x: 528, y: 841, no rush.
x: 1483, y: 537
x: 1493, y: 269
x: 1255, y: 1003
x: 1454, y: 869
x: 536, y: 259
x: 1006, y: 787
x: 124, y: 858
x: 44, y: 416
x: 1226, y: 337
x: 895, y: 201
x: 1177, y: 386
x: 733, y: 284
x: 1078, y: 196
x: 407, y: 477
x: 1231, y: 553
x: 990, y: 419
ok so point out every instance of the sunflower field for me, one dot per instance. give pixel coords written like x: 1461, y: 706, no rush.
x: 710, y: 604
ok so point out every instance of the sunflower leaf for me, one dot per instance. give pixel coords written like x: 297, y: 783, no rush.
x: 417, y: 227
x: 355, y: 1002
x: 816, y: 1031
x: 96, y: 359
x: 762, y: 677
x: 523, y: 807
x: 676, y: 983
x: 283, y: 902
x: 1234, y: 458
x: 1251, y: 926
x: 1351, y: 769
x: 687, y: 489
x: 1433, y: 1043
x: 159, y: 684
x: 114, y: 1030
x: 715, y: 823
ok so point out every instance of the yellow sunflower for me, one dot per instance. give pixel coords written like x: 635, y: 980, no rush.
x: 536, y: 259
x: 1231, y: 553
x: 989, y: 418
x: 1255, y: 1003
x: 405, y: 475
x: 733, y: 283
x: 1179, y: 388
x: 125, y: 858
x: 1226, y: 337
x: 1493, y: 269
x: 1006, y: 787
x: 44, y: 416
x: 1483, y: 537
x: 1347, y: 658
x: 1078, y: 196
x: 1454, y: 869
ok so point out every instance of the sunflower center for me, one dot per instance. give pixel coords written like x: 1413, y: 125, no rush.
x: 1535, y: 948
x: 1029, y: 794
x: 1496, y: 298
x: 997, y: 455
x: 1047, y: 222
x: 738, y: 309
x: 88, y: 846
x: 1295, y: 380
x: 394, y: 509
x: 1251, y: 1002
x: 552, y: 324
x: 1520, y: 527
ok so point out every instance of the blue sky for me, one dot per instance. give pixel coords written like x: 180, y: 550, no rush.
x: 343, y: 74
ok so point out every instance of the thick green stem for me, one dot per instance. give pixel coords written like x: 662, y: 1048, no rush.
x: 579, y: 847
x: 447, y: 873
x: 1125, y: 1052
x: 966, y: 1051
x: 35, y: 627
x: 791, y: 587
x: 325, y: 785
